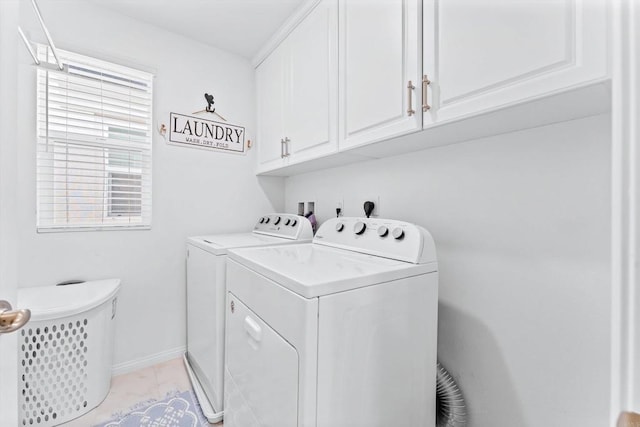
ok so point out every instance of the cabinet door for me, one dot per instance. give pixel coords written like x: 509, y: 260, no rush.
x: 489, y: 54
x: 311, y: 118
x: 380, y: 52
x: 270, y: 85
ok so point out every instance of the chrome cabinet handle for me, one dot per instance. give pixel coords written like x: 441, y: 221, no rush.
x: 286, y: 147
x: 410, y: 87
x: 12, y: 320
x: 282, y: 148
x: 425, y: 83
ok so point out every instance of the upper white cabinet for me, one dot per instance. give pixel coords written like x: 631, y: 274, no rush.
x: 270, y: 82
x: 380, y: 70
x: 311, y: 119
x: 297, y: 92
x: 482, y: 55
x: 355, y: 77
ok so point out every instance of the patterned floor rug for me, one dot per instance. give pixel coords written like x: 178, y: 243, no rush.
x: 180, y: 410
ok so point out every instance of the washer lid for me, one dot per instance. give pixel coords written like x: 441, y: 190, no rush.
x: 218, y: 244
x: 312, y: 270
x: 53, y: 302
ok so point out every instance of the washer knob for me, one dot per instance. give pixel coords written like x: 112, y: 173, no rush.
x: 266, y: 220
x: 359, y: 227
x: 383, y: 231
x: 398, y: 233
x: 277, y: 221
x: 261, y: 220
x: 287, y: 222
x: 294, y: 222
x: 339, y: 227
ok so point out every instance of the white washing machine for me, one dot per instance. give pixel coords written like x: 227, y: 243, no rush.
x: 341, y: 332
x: 206, y: 274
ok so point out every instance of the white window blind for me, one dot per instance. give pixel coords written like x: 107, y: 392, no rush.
x: 94, y: 145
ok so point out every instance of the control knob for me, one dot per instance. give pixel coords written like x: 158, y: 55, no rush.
x: 261, y: 220
x: 294, y: 222
x: 398, y: 233
x: 277, y: 221
x: 287, y: 221
x: 266, y: 220
x: 383, y: 231
x: 359, y: 227
x: 339, y: 227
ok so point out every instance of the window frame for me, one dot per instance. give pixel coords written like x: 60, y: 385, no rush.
x: 133, y: 137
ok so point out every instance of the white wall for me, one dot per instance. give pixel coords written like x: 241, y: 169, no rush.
x: 522, y: 227
x: 521, y: 222
x: 194, y: 191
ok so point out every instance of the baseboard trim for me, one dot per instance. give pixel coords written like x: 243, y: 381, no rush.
x: 145, y: 362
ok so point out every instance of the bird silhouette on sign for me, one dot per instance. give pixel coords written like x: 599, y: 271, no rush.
x: 209, y: 99
x: 209, y: 108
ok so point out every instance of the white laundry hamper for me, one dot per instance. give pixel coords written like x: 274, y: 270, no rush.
x: 66, y: 350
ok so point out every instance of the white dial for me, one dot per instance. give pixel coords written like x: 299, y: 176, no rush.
x: 383, y: 231
x: 339, y: 227
x: 359, y: 227
x: 398, y: 233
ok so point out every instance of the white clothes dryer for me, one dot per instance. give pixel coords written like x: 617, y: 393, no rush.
x: 340, y: 332
x: 206, y: 273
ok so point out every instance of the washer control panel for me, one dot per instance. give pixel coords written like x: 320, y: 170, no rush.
x: 381, y: 237
x: 284, y: 225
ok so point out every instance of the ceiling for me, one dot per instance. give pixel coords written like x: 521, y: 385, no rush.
x: 238, y: 26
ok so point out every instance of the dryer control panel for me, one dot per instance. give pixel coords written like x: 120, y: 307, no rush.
x: 381, y: 237
x: 288, y: 226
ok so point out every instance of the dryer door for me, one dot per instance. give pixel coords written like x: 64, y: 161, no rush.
x: 263, y: 371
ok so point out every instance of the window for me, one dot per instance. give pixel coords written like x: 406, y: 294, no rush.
x: 94, y: 145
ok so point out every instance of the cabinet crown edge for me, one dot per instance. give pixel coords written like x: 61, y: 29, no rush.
x: 285, y: 29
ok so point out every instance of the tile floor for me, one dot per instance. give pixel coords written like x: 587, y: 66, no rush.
x: 127, y: 390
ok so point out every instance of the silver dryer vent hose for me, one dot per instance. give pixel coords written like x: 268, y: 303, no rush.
x: 451, y: 410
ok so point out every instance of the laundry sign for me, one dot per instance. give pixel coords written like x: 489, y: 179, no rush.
x: 199, y: 132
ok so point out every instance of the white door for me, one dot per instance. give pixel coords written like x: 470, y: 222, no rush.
x: 8, y: 178
x: 625, y: 220
x: 8, y: 369
x: 380, y: 62
x: 263, y: 371
x: 311, y: 118
x: 481, y: 55
x: 270, y: 81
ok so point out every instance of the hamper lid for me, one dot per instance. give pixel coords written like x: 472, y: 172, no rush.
x: 52, y: 302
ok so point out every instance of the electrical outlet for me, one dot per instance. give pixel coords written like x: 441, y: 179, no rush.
x: 376, y: 208
x: 311, y: 207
